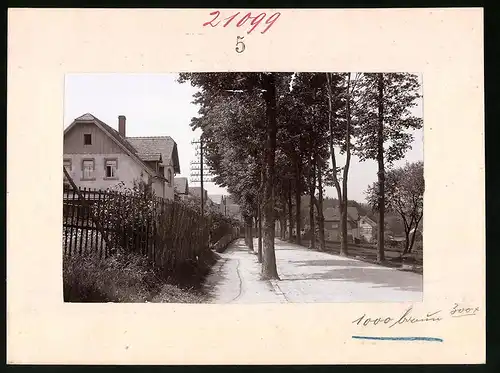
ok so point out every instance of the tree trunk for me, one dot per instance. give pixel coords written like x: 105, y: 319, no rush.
x: 312, y: 191
x: 283, y: 216
x: 298, y: 194
x: 249, y: 233
x: 282, y: 227
x: 259, y: 248
x: 407, y: 242
x: 260, y: 200
x: 344, y: 244
x: 343, y: 247
x: 410, y: 247
x: 381, y: 171
x: 321, y: 218
x: 290, y: 211
x: 269, y: 270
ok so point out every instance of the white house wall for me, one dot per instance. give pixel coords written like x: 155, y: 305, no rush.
x: 127, y: 170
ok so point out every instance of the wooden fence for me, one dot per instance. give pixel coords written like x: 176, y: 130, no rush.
x: 168, y: 232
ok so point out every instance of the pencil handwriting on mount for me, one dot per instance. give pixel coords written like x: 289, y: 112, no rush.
x: 460, y: 310
x: 406, y: 318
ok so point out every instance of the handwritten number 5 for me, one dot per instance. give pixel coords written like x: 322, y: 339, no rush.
x: 240, y: 46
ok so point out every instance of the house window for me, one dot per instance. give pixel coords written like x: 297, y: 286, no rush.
x: 87, y: 139
x: 111, y: 166
x: 88, y: 169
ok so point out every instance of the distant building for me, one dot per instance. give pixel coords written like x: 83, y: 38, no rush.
x: 181, y: 188
x: 196, y: 193
x: 332, y: 223
x: 367, y: 229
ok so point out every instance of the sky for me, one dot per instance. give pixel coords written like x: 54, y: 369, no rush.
x: 156, y: 105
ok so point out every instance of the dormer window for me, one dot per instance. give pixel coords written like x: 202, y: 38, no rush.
x: 87, y: 139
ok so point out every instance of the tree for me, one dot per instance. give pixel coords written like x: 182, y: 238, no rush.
x: 340, y: 135
x: 238, y: 117
x: 269, y: 269
x: 405, y: 196
x: 384, y: 122
x: 311, y: 144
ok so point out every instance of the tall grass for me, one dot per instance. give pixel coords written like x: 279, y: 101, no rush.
x: 124, y: 277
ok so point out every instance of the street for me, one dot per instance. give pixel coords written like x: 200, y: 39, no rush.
x: 307, y: 276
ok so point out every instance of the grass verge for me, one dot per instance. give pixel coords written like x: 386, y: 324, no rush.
x: 129, y: 278
x: 410, y: 263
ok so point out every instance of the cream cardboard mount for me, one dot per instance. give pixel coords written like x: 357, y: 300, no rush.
x: 445, y: 45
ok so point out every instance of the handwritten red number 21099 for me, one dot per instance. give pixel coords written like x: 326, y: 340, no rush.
x: 254, y: 21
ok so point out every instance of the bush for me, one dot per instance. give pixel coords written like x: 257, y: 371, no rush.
x: 121, y: 278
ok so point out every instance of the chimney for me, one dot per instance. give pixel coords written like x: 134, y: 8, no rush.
x: 121, y: 125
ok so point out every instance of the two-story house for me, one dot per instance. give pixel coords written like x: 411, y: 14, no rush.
x: 97, y: 156
x: 332, y: 223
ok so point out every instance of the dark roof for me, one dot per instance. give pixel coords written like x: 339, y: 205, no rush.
x: 150, y: 157
x: 117, y: 136
x: 164, y: 145
x: 369, y: 221
x: 333, y: 213
x: 181, y: 185
x: 196, y: 192
x: 216, y: 198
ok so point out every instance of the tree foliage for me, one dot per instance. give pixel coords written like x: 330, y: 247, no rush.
x: 405, y: 188
x: 271, y: 138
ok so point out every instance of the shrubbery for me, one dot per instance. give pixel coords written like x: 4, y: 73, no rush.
x: 157, y: 245
x: 120, y: 278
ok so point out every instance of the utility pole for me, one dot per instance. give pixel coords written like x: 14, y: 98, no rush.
x: 200, y: 175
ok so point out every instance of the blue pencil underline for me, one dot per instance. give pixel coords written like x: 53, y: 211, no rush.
x: 428, y: 339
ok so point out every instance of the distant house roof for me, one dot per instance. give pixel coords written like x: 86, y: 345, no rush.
x: 116, y: 137
x: 217, y: 198
x: 196, y: 192
x: 333, y: 213
x: 369, y: 221
x: 181, y: 185
x: 164, y: 145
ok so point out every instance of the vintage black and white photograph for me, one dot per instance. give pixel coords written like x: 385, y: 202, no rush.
x: 243, y: 187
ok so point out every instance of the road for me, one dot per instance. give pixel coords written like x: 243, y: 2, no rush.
x: 307, y: 276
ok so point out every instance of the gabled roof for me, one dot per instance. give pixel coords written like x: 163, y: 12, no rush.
x: 181, y: 185
x: 164, y: 145
x: 369, y: 221
x: 217, y: 198
x: 196, y: 192
x: 114, y: 136
x: 333, y: 213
